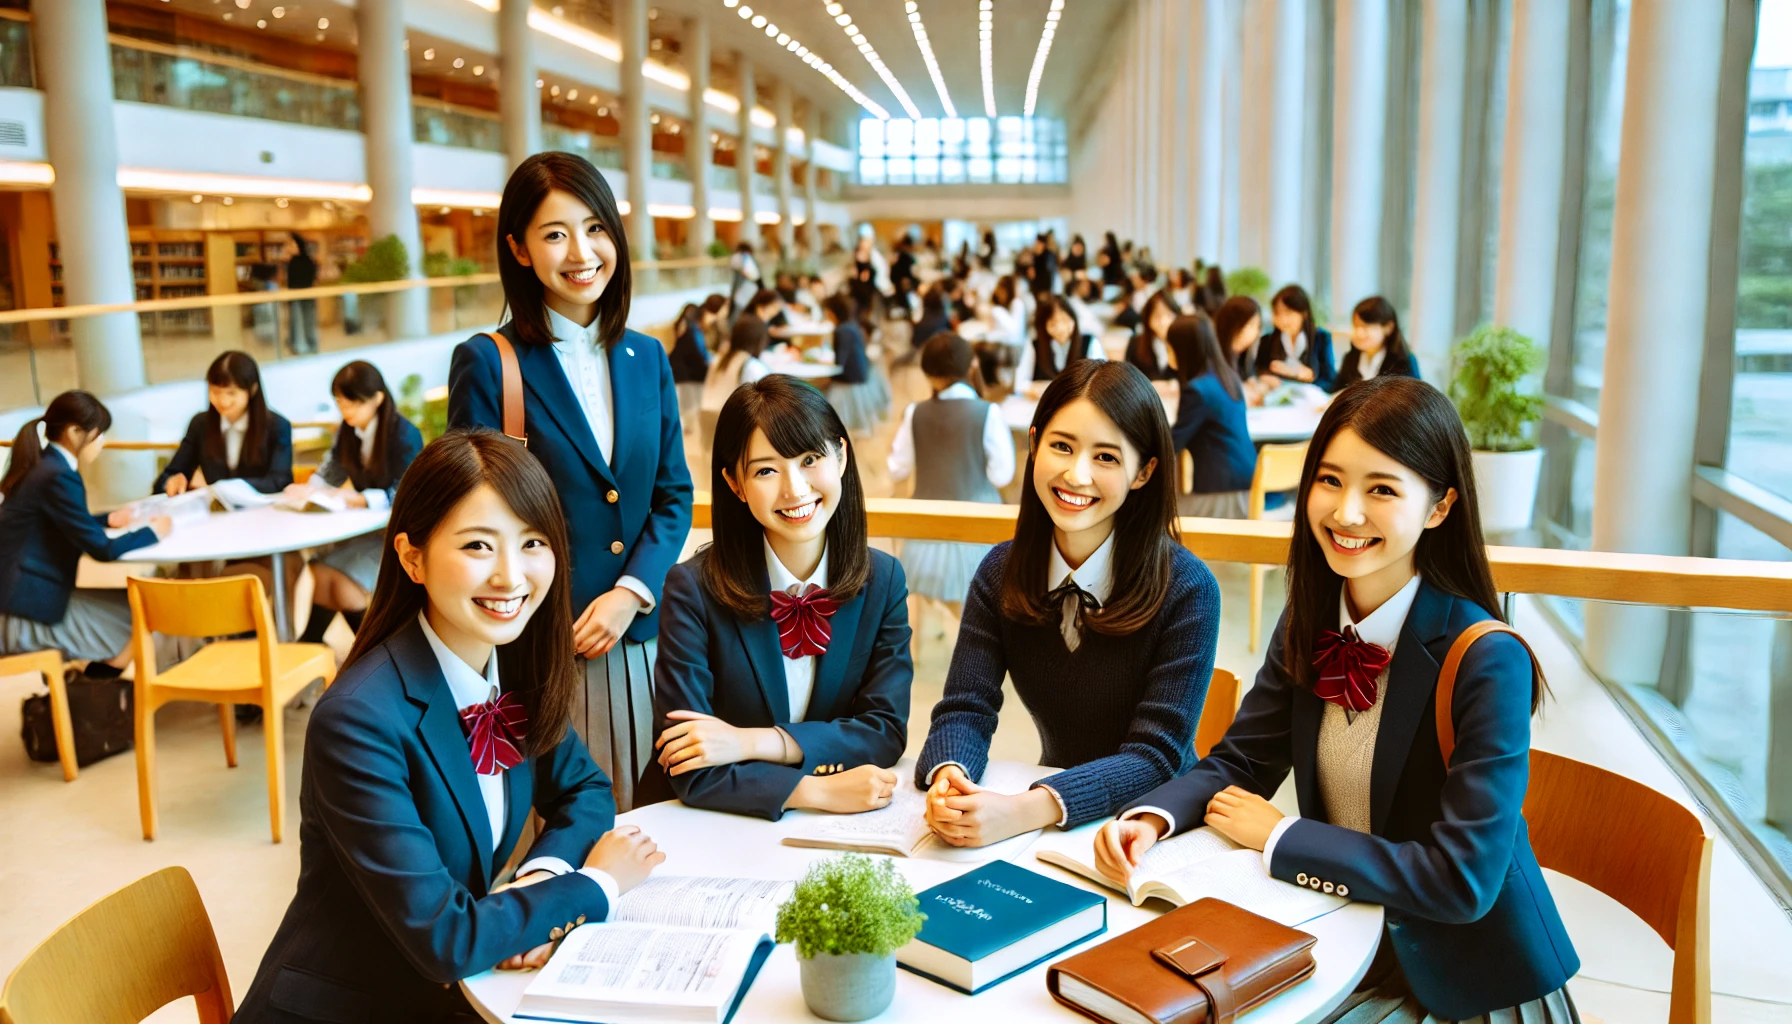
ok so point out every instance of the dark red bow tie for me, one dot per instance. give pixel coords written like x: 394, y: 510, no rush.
x: 1348, y: 667
x: 803, y: 627
x: 495, y: 731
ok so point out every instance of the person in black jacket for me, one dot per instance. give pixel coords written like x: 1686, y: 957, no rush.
x: 301, y: 272
x: 239, y: 437
x: 690, y: 354
x: 1377, y: 347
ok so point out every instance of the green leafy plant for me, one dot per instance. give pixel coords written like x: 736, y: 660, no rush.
x: 718, y: 249
x: 384, y: 260
x: 1250, y: 281
x: 440, y: 264
x: 1488, y: 385
x: 851, y: 904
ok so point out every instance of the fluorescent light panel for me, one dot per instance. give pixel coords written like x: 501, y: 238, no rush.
x: 1039, y: 56
x: 986, y: 32
x: 933, y: 66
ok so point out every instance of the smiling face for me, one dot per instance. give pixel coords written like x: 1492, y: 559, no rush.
x: 1083, y: 469
x: 1061, y: 325
x: 1367, y: 337
x: 1287, y: 320
x: 230, y: 401
x: 571, y: 254
x: 358, y: 413
x: 1368, y: 511
x: 792, y: 497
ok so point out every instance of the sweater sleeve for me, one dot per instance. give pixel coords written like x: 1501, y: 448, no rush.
x: 965, y: 717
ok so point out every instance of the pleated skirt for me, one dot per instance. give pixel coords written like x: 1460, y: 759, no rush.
x: 941, y: 569
x: 860, y: 406
x: 1383, y: 997
x: 615, y: 715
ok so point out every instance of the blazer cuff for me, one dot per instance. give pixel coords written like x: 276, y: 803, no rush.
x: 1275, y: 836
x: 1144, y: 809
x: 612, y: 891
x: 639, y: 589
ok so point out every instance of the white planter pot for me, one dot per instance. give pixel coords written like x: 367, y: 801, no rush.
x: 1506, y: 483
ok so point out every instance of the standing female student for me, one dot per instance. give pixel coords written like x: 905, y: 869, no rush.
x: 1211, y: 423
x: 1147, y: 349
x: 858, y: 398
x: 446, y: 727
x: 1377, y: 348
x: 601, y: 415
x: 784, y: 671
x: 1387, y: 569
x: 1106, y: 624
x: 1056, y: 344
x: 238, y: 437
x: 45, y: 528
x: 689, y: 357
x: 1294, y: 348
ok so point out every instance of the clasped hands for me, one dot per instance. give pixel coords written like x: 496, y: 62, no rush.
x: 1240, y: 815
x: 695, y: 740
x: 963, y: 813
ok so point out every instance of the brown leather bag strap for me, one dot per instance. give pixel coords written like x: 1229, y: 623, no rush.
x: 513, y: 388
x: 1446, y: 678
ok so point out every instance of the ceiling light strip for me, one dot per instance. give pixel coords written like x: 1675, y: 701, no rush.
x: 857, y: 36
x: 986, y: 29
x: 1039, y: 56
x: 812, y: 59
x: 933, y: 66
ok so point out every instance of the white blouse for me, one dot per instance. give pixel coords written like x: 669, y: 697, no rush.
x: 799, y: 673
x: 998, y: 442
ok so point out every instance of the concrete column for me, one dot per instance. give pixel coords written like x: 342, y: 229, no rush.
x: 811, y: 179
x: 1661, y: 241
x: 1207, y: 125
x: 519, y: 102
x: 1524, y: 290
x: 74, y: 61
x: 1359, y: 122
x: 385, y: 75
x: 696, y: 144
x: 781, y: 165
x: 743, y: 155
x: 1443, y: 63
x: 637, y: 129
x: 1285, y: 139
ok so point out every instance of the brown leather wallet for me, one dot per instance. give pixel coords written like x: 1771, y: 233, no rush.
x: 1205, y: 963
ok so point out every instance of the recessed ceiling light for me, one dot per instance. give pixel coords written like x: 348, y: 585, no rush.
x: 279, y: 12
x: 572, y: 94
x: 553, y: 90
x: 199, y: 199
x: 322, y: 24
x: 228, y: 201
x: 261, y: 23
x: 282, y: 203
x: 429, y: 54
x: 460, y: 62
x: 758, y: 20
x: 479, y: 69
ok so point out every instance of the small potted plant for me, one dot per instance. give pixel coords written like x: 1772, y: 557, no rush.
x: 1251, y: 281
x: 1488, y: 385
x: 848, y: 917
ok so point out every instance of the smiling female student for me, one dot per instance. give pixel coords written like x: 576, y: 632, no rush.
x: 1148, y: 350
x: 1387, y: 570
x: 1377, y: 347
x: 1294, y: 348
x: 237, y: 437
x: 446, y: 727
x: 601, y: 415
x: 1056, y: 344
x: 1105, y: 623
x: 783, y: 673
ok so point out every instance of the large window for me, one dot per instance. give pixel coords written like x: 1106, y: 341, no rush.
x: 1609, y: 37
x: 962, y: 150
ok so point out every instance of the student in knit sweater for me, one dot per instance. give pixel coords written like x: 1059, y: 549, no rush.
x: 1113, y: 675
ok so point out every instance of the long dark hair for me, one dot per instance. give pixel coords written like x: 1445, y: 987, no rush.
x: 947, y: 356
x: 1142, y: 338
x: 796, y: 418
x: 538, y: 666
x: 1380, y: 312
x: 1294, y: 298
x: 236, y: 369
x: 689, y: 322
x: 524, y: 294
x: 1412, y: 423
x: 1003, y: 293
x: 748, y: 335
x: 1233, y: 316
x: 1198, y: 352
x: 1049, y: 306
x: 359, y: 381
x: 1146, y: 533
x: 69, y: 409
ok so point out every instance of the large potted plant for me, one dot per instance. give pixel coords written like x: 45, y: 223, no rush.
x: 1499, y: 408
x: 386, y: 259
x: 848, y: 916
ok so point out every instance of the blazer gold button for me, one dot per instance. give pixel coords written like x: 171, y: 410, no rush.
x: 1343, y: 890
x: 1313, y: 883
x: 580, y: 920
x: 615, y: 547
x: 611, y: 497
x: 555, y: 934
x: 1327, y: 887
x: 1300, y: 879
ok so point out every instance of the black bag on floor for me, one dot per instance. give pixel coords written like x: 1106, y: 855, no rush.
x: 100, y: 712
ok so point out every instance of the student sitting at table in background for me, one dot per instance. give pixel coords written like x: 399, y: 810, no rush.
x: 1294, y: 348
x: 738, y: 363
x: 1377, y: 347
x: 690, y: 355
x: 238, y: 437
x: 1056, y: 345
x: 858, y: 399
x: 1105, y: 623
x: 936, y: 316
x: 373, y: 447
x: 1147, y: 349
x: 1239, y: 325
x: 783, y: 674
x: 45, y: 528
x: 445, y: 728
x: 768, y: 306
x: 1211, y: 423
x: 1126, y: 313
x: 1388, y: 567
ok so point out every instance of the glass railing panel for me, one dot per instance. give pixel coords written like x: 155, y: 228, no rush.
x: 15, y: 54
x: 725, y: 178
x: 214, y: 87
x: 602, y: 150
x: 451, y: 126
x: 671, y: 169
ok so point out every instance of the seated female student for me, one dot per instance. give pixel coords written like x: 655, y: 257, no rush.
x: 373, y: 448
x: 1239, y: 323
x: 45, y: 528
x: 1056, y: 345
x: 1147, y: 348
x: 1084, y: 297
x: 768, y: 306
x: 238, y: 437
x: 1105, y: 623
x: 1388, y: 567
x: 860, y: 400
x: 936, y: 315
x: 1377, y: 348
x: 1126, y: 307
x: 738, y: 363
x: 783, y: 673
x: 690, y: 359
x: 1295, y: 348
x: 446, y: 727
x: 1211, y: 423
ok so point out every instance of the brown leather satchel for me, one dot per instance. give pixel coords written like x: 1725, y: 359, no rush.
x: 513, y: 389
x: 1205, y: 963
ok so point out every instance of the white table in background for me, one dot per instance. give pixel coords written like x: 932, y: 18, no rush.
x: 700, y: 842
x: 804, y: 370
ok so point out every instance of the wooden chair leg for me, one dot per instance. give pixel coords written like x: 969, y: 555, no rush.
x: 146, y: 764
x: 1257, y: 572
x: 227, y: 722
x: 917, y: 610
x: 63, y: 722
x: 273, y: 728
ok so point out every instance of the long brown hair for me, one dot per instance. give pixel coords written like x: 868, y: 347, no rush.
x: 524, y: 293
x: 1198, y: 352
x: 236, y: 369
x: 69, y: 409
x: 359, y: 381
x: 538, y: 666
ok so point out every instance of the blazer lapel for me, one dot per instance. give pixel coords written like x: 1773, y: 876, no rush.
x: 553, y: 395
x: 519, y: 785
x: 1412, y: 678
x: 759, y: 639
x: 442, y: 737
x: 831, y: 670
x: 626, y: 400
x: 1308, y: 710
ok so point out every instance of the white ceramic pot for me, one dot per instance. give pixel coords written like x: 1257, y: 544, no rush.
x: 1506, y: 483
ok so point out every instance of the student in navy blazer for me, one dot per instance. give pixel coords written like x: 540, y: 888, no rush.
x: 1377, y: 346
x: 238, y: 437
x: 784, y: 671
x: 1210, y: 422
x: 1295, y: 348
x: 422, y: 763
x: 1388, y: 554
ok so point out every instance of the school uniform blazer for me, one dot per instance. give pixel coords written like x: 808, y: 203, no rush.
x: 711, y: 661
x: 1140, y: 352
x: 1447, y: 853
x: 276, y: 457
x: 1317, y: 357
x: 1213, y: 426
x: 45, y: 528
x: 1391, y: 366
x: 849, y: 354
x: 402, y: 445
x: 394, y: 902
x: 625, y: 516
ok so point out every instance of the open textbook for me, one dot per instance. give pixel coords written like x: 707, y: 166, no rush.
x: 313, y: 499
x: 235, y: 494
x: 899, y: 828
x: 1197, y: 864
x: 182, y: 510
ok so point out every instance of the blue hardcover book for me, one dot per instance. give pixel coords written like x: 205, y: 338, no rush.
x: 990, y: 924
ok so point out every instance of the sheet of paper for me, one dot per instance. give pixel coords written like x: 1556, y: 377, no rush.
x: 683, y: 965
x: 698, y: 902
x: 899, y: 824
x: 237, y: 493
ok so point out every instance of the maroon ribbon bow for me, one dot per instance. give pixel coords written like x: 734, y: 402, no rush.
x: 803, y: 627
x: 495, y: 731
x: 1348, y: 667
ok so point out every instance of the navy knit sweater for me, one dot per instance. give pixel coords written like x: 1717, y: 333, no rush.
x: 1118, y: 713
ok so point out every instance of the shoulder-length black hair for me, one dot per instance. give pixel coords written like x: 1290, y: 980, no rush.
x: 796, y: 419
x: 69, y: 409
x: 1198, y: 352
x: 1049, y: 306
x: 537, y: 666
x: 1003, y: 293
x: 1142, y: 337
x: 1294, y: 299
x: 1146, y: 533
x: 1379, y: 311
x: 235, y: 369
x: 359, y: 381
x: 524, y: 294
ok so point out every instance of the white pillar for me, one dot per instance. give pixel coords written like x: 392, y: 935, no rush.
x: 811, y: 180
x: 1285, y: 150
x: 1177, y: 209
x: 1207, y: 125
x: 1257, y: 67
x: 781, y: 166
x: 385, y: 75
x: 696, y: 144
x: 519, y: 102
x: 637, y: 129
x: 1655, y: 319
x: 744, y: 163
x: 1443, y: 80
x: 1232, y: 85
x: 1359, y: 123
x: 1524, y: 289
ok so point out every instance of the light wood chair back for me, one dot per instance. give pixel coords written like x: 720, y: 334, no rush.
x: 1278, y: 469
x: 222, y: 606
x: 121, y: 959
x: 49, y: 665
x: 1223, y: 694
x: 1637, y: 846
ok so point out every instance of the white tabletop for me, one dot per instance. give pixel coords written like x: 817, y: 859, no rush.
x: 708, y: 843
x: 805, y: 370
x: 1280, y: 423
x: 251, y: 533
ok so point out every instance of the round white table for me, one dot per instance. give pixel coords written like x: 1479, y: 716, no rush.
x: 257, y: 532
x: 709, y: 843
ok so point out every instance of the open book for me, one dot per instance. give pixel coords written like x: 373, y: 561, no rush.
x: 1197, y: 864
x: 235, y: 494
x: 899, y: 828
x: 182, y: 510
x: 315, y: 499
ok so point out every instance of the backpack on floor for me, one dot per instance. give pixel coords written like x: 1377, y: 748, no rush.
x: 100, y: 713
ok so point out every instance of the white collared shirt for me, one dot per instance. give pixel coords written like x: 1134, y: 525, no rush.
x: 233, y: 439
x: 1023, y: 372
x: 587, y: 368
x: 375, y: 497
x: 799, y: 673
x: 68, y: 456
x: 1095, y: 575
x: 1294, y: 347
x: 1368, y: 364
x: 998, y: 441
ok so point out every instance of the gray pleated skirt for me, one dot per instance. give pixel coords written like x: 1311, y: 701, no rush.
x: 1384, y: 998
x: 860, y: 406
x: 358, y: 559
x: 615, y: 715
x: 941, y: 569
x: 96, y: 627
x: 1218, y: 505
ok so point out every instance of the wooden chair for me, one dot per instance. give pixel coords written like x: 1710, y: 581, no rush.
x: 1278, y: 469
x: 119, y: 960
x: 1640, y: 848
x: 302, y: 474
x: 1217, y: 711
x: 225, y: 672
x: 49, y: 664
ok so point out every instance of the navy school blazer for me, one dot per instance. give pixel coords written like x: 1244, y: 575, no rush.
x: 1212, y: 425
x: 1391, y: 366
x: 1317, y: 357
x: 627, y: 516
x: 275, y: 464
x: 395, y: 852
x: 1447, y: 853
x: 45, y: 528
x: 710, y: 661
